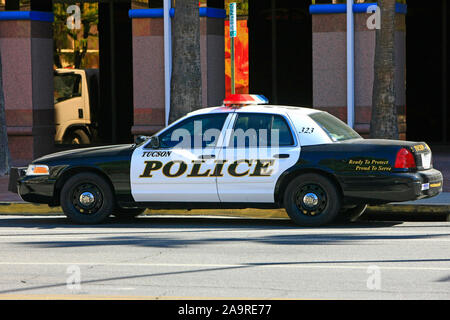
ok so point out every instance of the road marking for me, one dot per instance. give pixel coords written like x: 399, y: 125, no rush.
x: 304, y: 265
x: 338, y: 240
x: 9, y: 233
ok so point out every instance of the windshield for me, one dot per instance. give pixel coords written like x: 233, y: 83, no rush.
x: 67, y: 86
x: 335, y: 128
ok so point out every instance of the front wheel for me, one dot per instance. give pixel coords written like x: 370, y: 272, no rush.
x: 78, y: 136
x: 312, y: 200
x: 87, y: 198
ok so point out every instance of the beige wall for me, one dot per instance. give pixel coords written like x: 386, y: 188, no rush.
x: 148, y: 70
x: 330, y: 68
x: 27, y: 58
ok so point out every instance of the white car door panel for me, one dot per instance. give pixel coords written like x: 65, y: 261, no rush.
x: 180, y: 173
x: 251, y: 171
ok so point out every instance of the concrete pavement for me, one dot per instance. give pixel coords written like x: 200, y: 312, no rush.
x: 206, y: 258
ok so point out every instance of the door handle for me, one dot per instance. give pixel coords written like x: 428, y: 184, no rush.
x: 207, y: 156
x: 281, y: 156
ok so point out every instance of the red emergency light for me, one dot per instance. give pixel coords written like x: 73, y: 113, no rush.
x: 243, y: 99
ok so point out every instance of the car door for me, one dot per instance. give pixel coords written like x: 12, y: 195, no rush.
x: 260, y: 147
x: 182, y: 168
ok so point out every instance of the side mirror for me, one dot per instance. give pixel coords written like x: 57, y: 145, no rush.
x: 140, y: 139
x: 154, y: 142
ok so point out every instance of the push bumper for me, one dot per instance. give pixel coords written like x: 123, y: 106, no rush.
x: 14, y: 175
x: 395, y: 187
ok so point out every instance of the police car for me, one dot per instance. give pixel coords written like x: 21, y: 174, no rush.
x: 243, y: 154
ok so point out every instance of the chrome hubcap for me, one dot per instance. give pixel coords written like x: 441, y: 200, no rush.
x: 87, y: 199
x: 310, y: 200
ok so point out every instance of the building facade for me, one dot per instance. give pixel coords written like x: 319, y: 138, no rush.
x: 294, y: 52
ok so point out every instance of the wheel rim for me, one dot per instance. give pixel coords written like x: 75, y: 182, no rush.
x: 311, y: 199
x: 87, y: 198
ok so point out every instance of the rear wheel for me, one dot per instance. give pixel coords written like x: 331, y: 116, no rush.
x: 86, y: 198
x: 312, y: 200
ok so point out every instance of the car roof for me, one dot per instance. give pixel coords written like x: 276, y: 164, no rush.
x: 263, y: 108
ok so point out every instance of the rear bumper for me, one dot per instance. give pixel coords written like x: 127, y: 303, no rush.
x: 395, y: 187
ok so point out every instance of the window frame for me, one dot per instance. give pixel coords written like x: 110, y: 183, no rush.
x: 188, y: 118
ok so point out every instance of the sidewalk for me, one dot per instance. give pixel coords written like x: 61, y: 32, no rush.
x: 11, y: 203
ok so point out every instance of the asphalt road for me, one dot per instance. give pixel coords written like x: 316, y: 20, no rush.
x: 194, y: 258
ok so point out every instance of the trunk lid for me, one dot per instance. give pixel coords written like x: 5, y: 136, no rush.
x: 420, y: 150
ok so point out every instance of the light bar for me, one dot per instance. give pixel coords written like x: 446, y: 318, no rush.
x: 242, y: 99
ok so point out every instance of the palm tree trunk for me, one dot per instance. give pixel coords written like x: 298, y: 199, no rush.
x: 186, y: 83
x: 384, y: 110
x: 4, y: 150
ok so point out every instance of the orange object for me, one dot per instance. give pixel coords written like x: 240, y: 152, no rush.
x: 38, y: 170
x: 241, y: 58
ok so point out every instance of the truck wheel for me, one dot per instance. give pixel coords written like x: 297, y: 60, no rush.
x: 127, y: 213
x: 78, y: 136
x: 86, y: 198
x: 311, y: 200
x: 351, y: 214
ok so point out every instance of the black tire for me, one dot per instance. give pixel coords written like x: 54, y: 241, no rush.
x: 312, y: 200
x: 87, y: 186
x: 127, y: 213
x: 78, y: 136
x: 351, y: 214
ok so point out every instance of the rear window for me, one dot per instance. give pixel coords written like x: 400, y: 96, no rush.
x: 336, y: 129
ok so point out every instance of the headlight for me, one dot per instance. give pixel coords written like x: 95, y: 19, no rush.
x: 37, y: 170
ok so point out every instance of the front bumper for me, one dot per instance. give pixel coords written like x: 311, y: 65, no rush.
x: 393, y: 187
x: 14, y: 175
x: 36, y: 189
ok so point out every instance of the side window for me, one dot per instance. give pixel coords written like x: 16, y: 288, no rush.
x: 261, y: 130
x: 281, y: 129
x: 195, y: 132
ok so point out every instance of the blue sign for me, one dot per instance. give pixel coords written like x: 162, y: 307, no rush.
x: 233, y: 28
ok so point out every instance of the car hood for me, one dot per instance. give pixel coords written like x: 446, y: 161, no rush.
x: 103, y: 151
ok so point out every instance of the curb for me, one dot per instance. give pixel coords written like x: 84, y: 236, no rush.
x: 411, y: 208
x: 27, y: 209
x: 420, y: 210
x: 24, y: 208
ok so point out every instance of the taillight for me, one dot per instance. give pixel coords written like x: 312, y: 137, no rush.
x: 405, y: 159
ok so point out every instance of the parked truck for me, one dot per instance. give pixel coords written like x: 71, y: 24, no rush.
x: 76, y: 101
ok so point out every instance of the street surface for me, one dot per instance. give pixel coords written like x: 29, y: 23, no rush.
x: 195, y: 258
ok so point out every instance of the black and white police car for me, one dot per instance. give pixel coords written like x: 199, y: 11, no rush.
x: 243, y: 154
